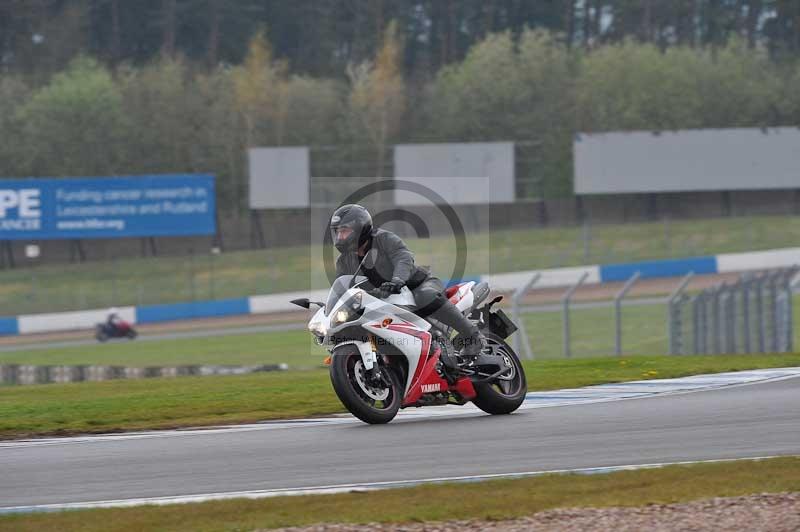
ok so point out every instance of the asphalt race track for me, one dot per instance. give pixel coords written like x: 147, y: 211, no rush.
x: 761, y: 419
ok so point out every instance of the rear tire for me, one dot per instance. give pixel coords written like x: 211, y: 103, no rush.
x: 131, y: 334
x: 502, y: 397
x: 346, y: 371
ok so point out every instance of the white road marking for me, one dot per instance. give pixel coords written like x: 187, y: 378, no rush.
x: 346, y: 488
x: 602, y: 393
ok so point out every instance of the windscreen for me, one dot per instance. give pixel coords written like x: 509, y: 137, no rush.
x: 340, y: 286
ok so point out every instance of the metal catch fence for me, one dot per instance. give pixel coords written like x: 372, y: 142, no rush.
x: 751, y: 315
x: 754, y: 314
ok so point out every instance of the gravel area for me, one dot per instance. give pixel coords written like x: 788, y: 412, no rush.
x: 755, y: 513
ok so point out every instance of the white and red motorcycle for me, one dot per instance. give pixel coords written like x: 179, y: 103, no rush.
x: 384, y: 357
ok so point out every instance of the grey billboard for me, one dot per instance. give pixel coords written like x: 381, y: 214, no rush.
x: 687, y: 161
x: 460, y: 173
x: 279, y: 177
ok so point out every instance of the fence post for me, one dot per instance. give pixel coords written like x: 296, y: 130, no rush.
x: 716, y: 322
x: 674, y: 317
x: 761, y: 332
x: 618, y: 311
x: 730, y: 318
x: 696, y: 309
x: 773, y: 307
x: 565, y: 301
x: 746, y: 281
x: 521, y: 338
x: 785, y: 303
x: 794, y: 280
x: 587, y: 242
x: 704, y: 330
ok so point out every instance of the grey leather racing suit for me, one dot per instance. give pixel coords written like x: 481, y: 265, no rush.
x: 392, y: 259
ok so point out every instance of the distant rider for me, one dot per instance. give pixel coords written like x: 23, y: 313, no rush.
x: 113, y: 321
x: 392, y: 268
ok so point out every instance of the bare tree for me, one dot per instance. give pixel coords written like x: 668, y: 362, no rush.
x: 569, y: 21
x: 377, y: 97
x: 754, y: 8
x: 213, y: 32
x: 169, y: 14
x: 116, y: 38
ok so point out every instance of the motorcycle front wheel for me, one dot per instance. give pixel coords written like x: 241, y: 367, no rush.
x: 371, y: 400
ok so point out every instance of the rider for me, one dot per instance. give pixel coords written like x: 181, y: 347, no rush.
x: 392, y: 268
x: 113, y: 321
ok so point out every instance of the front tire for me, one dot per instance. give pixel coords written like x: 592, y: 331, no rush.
x: 371, y: 403
x: 502, y: 396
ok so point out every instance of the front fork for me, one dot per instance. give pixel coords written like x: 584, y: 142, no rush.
x: 369, y: 356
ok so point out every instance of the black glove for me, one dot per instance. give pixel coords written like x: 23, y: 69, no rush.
x: 392, y: 287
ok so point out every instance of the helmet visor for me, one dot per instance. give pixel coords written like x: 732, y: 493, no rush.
x: 344, y: 234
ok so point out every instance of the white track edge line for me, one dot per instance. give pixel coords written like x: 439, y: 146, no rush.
x: 354, y: 488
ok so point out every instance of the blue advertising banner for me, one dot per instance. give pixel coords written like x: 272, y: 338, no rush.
x: 113, y: 207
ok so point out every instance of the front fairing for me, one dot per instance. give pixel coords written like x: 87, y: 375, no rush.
x: 373, y: 311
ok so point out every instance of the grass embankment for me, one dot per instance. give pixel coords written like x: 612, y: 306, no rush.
x: 59, y: 409
x: 295, y: 348
x: 239, y: 274
x: 502, y: 499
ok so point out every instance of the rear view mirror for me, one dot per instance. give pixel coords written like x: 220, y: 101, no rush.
x: 302, y: 302
x: 305, y: 303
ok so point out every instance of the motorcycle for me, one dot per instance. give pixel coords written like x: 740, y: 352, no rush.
x: 122, y: 329
x: 384, y: 357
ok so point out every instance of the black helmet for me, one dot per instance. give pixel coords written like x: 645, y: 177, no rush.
x: 351, y: 226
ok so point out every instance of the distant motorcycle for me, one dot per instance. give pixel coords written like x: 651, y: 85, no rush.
x: 122, y: 329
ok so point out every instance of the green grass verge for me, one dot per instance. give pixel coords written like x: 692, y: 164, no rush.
x: 295, y: 348
x: 194, y: 401
x: 501, y: 499
x: 239, y: 274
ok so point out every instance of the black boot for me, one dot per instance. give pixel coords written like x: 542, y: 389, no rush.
x: 469, y: 341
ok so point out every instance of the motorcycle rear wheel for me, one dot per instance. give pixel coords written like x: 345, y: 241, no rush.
x: 370, y: 403
x: 502, y: 396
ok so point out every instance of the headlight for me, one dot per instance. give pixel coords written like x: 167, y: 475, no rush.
x: 317, y: 328
x: 349, y: 311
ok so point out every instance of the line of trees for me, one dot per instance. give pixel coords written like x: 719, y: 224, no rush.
x: 321, y: 37
x: 174, y: 114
